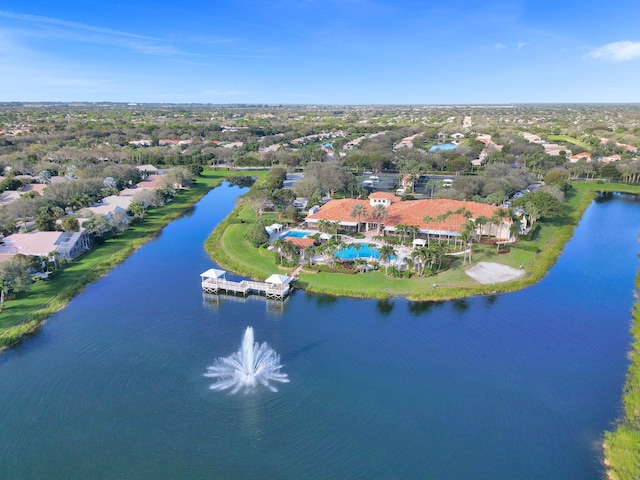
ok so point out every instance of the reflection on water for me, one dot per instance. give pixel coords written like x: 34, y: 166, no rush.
x: 517, y: 385
x: 385, y: 306
x: 214, y: 301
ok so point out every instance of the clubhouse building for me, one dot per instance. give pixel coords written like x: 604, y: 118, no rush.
x: 442, y: 221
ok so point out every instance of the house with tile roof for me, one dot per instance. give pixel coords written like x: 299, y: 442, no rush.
x: 40, y: 244
x: 580, y: 156
x: 110, y: 204
x: 443, y: 222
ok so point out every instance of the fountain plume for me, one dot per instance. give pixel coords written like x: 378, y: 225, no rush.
x: 254, y: 364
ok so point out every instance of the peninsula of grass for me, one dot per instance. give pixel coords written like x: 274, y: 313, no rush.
x: 229, y: 247
x: 24, y: 314
x: 622, y: 446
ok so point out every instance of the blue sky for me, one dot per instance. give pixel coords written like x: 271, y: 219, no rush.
x: 320, y: 52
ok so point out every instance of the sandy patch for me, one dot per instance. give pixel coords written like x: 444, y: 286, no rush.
x: 488, y: 272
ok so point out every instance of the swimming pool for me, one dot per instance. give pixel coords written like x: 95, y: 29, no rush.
x: 365, y: 251
x: 295, y: 234
x: 442, y: 146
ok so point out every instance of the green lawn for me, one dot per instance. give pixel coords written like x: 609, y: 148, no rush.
x: 622, y: 445
x: 567, y: 138
x: 230, y: 249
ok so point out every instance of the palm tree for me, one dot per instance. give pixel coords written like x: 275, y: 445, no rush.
x: 420, y: 257
x: 465, y: 236
x: 465, y: 212
x: 323, y: 250
x: 278, y: 246
x: 322, y: 224
x: 468, y: 228
x: 427, y: 219
x: 481, y: 221
x: 357, y: 247
x: 440, y: 219
x: 334, y: 248
x: 385, y: 253
x: 439, y: 251
x: 309, y: 250
x: 379, y: 214
x: 290, y: 250
x: 497, y: 219
x: 431, y: 185
x: 414, y: 230
x: 358, y: 211
x: 532, y: 212
x: 516, y: 224
x: 448, y: 215
x: 402, y: 229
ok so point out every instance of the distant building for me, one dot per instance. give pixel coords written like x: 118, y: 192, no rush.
x: 610, y: 158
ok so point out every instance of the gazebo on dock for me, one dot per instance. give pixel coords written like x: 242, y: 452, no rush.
x: 213, y: 273
x: 276, y: 286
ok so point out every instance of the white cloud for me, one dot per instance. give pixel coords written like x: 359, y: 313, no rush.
x: 51, y: 28
x: 499, y: 46
x: 617, y: 51
x: 521, y: 45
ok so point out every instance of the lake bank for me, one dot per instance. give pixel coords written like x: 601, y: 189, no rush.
x: 229, y: 248
x: 622, y: 445
x: 519, y: 385
x: 23, y: 315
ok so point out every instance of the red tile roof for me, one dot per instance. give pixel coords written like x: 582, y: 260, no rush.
x: 409, y: 212
x: 386, y: 195
x: 301, y: 243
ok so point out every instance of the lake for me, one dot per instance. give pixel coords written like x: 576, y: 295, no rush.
x: 519, y: 385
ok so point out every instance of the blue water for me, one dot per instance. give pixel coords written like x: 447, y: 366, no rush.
x: 365, y: 251
x: 442, y: 146
x: 514, y: 386
x: 295, y: 234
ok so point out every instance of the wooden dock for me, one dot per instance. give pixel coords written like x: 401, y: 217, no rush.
x: 276, y: 286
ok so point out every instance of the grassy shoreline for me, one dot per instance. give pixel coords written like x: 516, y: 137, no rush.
x: 29, y: 310
x: 622, y: 445
x: 228, y: 247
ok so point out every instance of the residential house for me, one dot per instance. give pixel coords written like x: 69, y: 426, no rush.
x: 40, y: 244
x: 610, y: 158
x: 111, y: 204
x: 140, y: 143
x: 580, y: 156
x: 147, y: 169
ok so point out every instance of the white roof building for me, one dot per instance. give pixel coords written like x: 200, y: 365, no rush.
x: 110, y: 204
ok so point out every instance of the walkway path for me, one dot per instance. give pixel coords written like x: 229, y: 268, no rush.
x: 296, y: 271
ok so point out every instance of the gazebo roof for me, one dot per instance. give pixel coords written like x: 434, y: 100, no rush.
x: 213, y: 273
x: 276, y: 279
